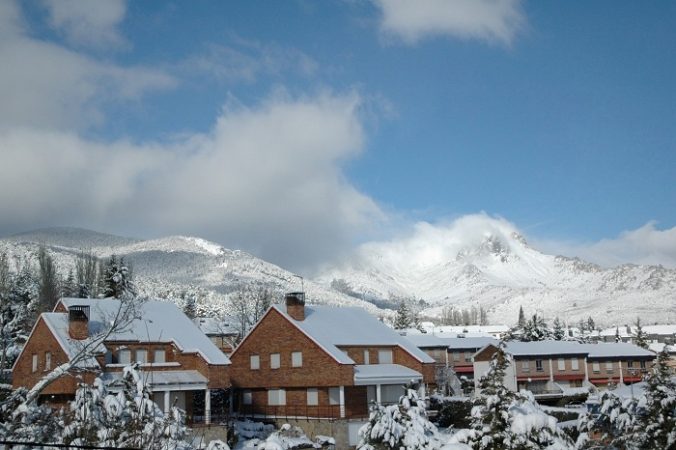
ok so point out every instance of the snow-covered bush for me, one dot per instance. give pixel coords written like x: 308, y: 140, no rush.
x: 287, y: 437
x: 401, y: 426
x: 28, y: 422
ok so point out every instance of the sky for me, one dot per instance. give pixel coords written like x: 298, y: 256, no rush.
x: 297, y: 130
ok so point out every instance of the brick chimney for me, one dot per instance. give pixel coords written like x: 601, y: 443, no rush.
x: 78, y: 322
x: 295, y: 305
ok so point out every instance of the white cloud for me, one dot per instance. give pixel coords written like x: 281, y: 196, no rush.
x: 488, y: 20
x: 87, y: 23
x: 644, y: 245
x: 246, y: 60
x: 46, y: 85
x: 266, y: 179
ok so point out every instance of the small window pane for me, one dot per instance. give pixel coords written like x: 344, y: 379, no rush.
x: 142, y: 356
x: 296, y: 359
x: 609, y: 366
x: 276, y: 397
x: 255, y: 362
x: 575, y: 364
x: 456, y: 356
x: 596, y: 367
x: 384, y: 356
x: 312, y: 397
x: 538, y: 365
x: 562, y: 364
x: 366, y: 357
x: 159, y: 356
x: 334, y: 396
x: 35, y: 363
x: 125, y: 356
x: 48, y: 361
x: 247, y: 398
x: 525, y: 366
x: 274, y: 361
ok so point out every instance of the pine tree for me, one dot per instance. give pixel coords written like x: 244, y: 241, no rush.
x: 117, y: 279
x: 401, y: 426
x: 591, y: 326
x: 86, y: 268
x: 403, y: 318
x: 189, y: 307
x: 522, y: 318
x: 640, y: 337
x: 49, y: 283
x: 656, y: 426
x: 536, y: 330
x: 613, y: 423
x: 68, y: 286
x: 559, y: 332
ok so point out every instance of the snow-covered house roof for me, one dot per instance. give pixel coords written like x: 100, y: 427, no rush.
x: 470, y: 330
x: 212, y: 326
x: 333, y: 327
x: 157, y: 322
x: 450, y: 343
x: 369, y: 374
x: 594, y: 351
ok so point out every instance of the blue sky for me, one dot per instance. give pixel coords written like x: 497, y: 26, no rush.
x: 557, y: 116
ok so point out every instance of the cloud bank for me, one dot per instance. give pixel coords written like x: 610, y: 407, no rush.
x: 494, y: 21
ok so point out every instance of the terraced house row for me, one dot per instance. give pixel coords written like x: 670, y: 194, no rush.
x: 298, y: 360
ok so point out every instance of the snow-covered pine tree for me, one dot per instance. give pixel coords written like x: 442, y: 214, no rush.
x: 117, y: 279
x: 522, y: 318
x: 69, y: 286
x: 656, y: 423
x: 613, y: 424
x: 49, y: 292
x: 640, y: 337
x: 490, y: 416
x: 536, y: 330
x: 402, y: 426
x: 559, y: 332
x: 86, y: 268
x: 591, y: 325
x: 128, y: 418
x: 403, y: 318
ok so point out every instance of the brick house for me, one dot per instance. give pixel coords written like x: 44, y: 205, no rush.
x: 322, y: 362
x: 181, y: 365
x: 552, y: 369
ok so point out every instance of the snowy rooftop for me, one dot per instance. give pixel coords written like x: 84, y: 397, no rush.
x: 158, y: 322
x: 657, y: 347
x: 332, y: 327
x: 600, y: 350
x: 159, y: 380
x: 384, y: 374
x: 216, y: 327
x: 451, y: 343
x: 662, y: 330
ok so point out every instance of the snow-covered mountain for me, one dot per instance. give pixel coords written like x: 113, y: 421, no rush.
x: 475, y: 262
x: 175, y: 266
x: 480, y: 261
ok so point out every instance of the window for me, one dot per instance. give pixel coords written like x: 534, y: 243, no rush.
x: 247, y: 398
x: 334, y: 396
x: 255, y: 362
x: 456, y: 356
x: 35, y: 363
x: 630, y: 364
x: 525, y: 366
x: 609, y: 366
x: 366, y: 357
x: 142, y: 356
x: 312, y: 397
x: 596, y: 367
x: 468, y: 356
x: 48, y: 360
x: 384, y: 356
x: 562, y: 364
x: 642, y: 364
x: 538, y: 365
x: 124, y: 356
x: 159, y: 356
x: 296, y: 359
x: 575, y: 364
x: 274, y: 360
x: 276, y: 397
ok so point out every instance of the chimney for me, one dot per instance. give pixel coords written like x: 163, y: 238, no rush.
x: 78, y: 322
x: 295, y: 305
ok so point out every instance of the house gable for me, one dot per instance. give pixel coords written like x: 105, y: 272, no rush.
x: 276, y: 334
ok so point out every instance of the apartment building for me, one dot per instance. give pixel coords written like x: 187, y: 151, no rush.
x: 552, y: 369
